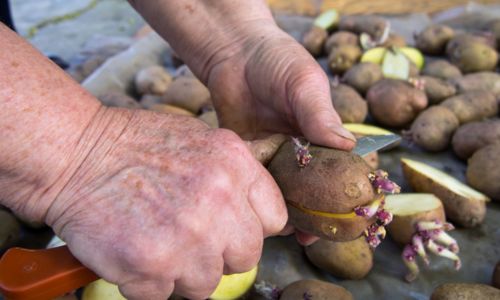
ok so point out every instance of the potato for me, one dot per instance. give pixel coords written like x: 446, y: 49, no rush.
x: 441, y: 69
x: 395, y: 103
x: 475, y: 135
x: 463, y: 205
x: 152, y: 80
x: 434, y: 128
x: 319, y: 207
x: 101, y: 289
x: 234, y: 286
x: 340, y: 38
x: 394, y: 40
x: 10, y: 230
x: 210, y: 117
x: 343, y: 57
x: 372, y: 159
x: 188, y: 93
x: 474, y: 57
x: 495, y: 280
x: 314, y: 40
x: 437, y: 90
x: 472, y: 106
x: 365, y: 129
x: 463, y: 39
x: 119, y: 99
x: 483, y: 172
x: 433, y: 39
x: 312, y: 289
x: 171, y: 109
x: 488, y: 81
x: 465, y: 291
x: 373, y: 25
x: 409, y: 209
x: 264, y: 149
x: 346, y: 260
x: 362, y: 76
x: 349, y: 104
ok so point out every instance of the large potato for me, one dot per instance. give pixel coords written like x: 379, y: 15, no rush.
x: 465, y: 39
x: 316, y: 203
x: 311, y: 289
x: 474, y: 57
x: 465, y: 291
x: 441, y: 69
x: 349, y: 104
x: 483, y: 170
x: 437, y: 90
x: 347, y: 260
x: 395, y: 103
x: 462, y: 204
x: 472, y: 106
x: 433, y: 39
x: 475, y: 135
x: 484, y: 81
x: 314, y: 40
x: 362, y: 76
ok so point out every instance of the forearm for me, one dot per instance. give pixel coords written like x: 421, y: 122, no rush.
x: 203, y: 33
x: 43, y: 118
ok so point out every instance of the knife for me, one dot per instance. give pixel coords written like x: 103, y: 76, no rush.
x: 48, y: 273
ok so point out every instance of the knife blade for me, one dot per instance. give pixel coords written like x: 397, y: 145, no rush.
x: 368, y: 144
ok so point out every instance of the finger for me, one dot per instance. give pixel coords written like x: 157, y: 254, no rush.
x: 137, y: 290
x: 309, y: 95
x: 305, y: 239
x: 264, y: 149
x: 200, y: 278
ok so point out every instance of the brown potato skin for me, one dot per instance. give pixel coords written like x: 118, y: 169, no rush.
x: 314, y: 40
x: 459, y: 209
x: 312, y: 188
x: 362, y: 76
x: 402, y: 228
x: 316, y: 289
x: 472, y: 106
x: 495, y: 280
x: 464, y: 39
x: 441, y: 69
x: 348, y: 104
x: 488, y: 81
x: 472, y: 136
x: 474, y: 57
x: 346, y: 260
x: 341, y: 38
x: 394, y: 40
x: 437, y: 90
x: 433, y: 39
x: 373, y: 25
x: 343, y: 57
x: 465, y: 291
x: 434, y: 128
x: 395, y: 103
x: 188, y: 93
x: 483, y: 172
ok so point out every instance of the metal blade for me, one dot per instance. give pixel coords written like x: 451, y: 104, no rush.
x: 368, y: 144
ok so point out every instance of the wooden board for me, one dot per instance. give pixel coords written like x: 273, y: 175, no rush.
x: 313, y: 7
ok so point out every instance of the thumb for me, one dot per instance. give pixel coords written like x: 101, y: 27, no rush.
x: 264, y: 149
x: 313, y: 110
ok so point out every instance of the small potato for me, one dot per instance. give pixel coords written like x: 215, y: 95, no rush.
x: 495, y: 280
x: 314, y: 40
x: 346, y: 260
x: 472, y: 106
x: 433, y: 39
x: 119, y: 100
x: 349, y: 104
x: 434, y: 128
x: 395, y: 103
x: 10, y: 230
x: 409, y: 209
x: 464, y: 39
x: 362, y: 76
x: 462, y: 204
x: 488, y: 81
x: 373, y: 25
x: 475, y: 135
x: 437, y: 90
x: 188, y: 93
x: 314, y: 289
x: 340, y: 38
x: 319, y: 208
x: 441, y: 69
x: 343, y: 57
x: 474, y: 57
x: 465, y: 291
x: 483, y: 172
x: 152, y: 80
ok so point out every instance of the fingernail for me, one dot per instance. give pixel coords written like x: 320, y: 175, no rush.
x: 341, y: 131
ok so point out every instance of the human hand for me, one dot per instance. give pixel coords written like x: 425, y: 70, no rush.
x: 162, y: 203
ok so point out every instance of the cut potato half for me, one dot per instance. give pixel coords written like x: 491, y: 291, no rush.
x: 234, y: 286
x: 364, y: 129
x: 408, y: 210
x: 463, y: 205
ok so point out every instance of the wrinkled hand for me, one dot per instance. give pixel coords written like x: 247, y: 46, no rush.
x: 163, y: 203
